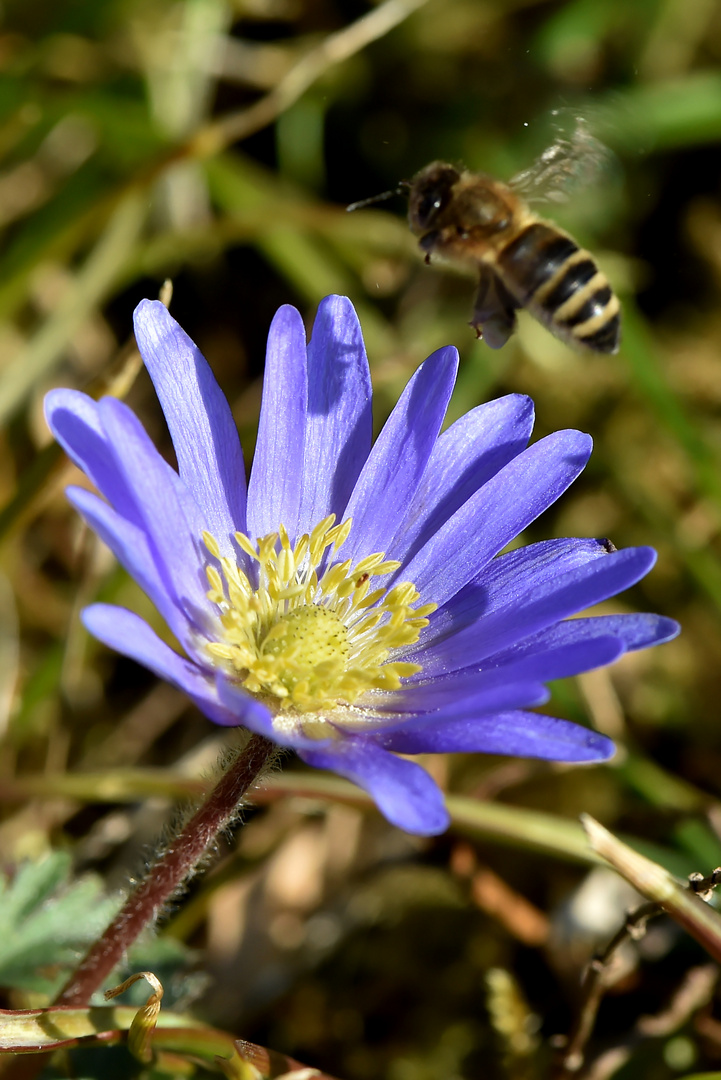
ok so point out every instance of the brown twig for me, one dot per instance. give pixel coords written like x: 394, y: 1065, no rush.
x: 654, y: 882
x: 219, y: 134
x: 596, y: 980
x: 693, y: 994
x: 665, y: 895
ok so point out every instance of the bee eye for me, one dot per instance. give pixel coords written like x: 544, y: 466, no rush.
x: 428, y: 206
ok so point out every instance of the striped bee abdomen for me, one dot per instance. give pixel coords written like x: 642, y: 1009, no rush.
x: 533, y: 258
x: 561, y: 284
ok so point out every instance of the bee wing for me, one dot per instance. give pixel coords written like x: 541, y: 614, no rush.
x: 568, y: 163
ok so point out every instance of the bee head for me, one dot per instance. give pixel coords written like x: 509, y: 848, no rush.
x: 430, y: 193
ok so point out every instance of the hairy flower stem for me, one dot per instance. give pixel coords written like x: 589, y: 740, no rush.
x: 168, y: 873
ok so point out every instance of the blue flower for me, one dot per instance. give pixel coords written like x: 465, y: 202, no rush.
x: 352, y: 603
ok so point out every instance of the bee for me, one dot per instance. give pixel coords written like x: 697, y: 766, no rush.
x: 523, y: 261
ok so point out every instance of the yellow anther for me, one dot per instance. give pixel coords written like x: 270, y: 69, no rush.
x: 311, y: 646
x: 245, y: 545
x: 211, y: 543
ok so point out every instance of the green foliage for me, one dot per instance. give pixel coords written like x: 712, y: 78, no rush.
x: 47, y: 920
x: 119, y: 168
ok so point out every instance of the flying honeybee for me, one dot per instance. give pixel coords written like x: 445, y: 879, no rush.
x: 523, y: 260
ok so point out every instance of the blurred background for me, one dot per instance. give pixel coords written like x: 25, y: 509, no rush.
x: 217, y: 143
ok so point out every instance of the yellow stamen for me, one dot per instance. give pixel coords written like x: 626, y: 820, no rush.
x: 308, y: 645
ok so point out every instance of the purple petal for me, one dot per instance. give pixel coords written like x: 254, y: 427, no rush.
x: 396, y: 464
x: 518, y: 734
x: 496, y: 514
x: 74, y: 420
x: 512, y: 677
x: 638, y: 631
x: 170, y: 515
x: 130, y: 546
x: 547, y: 662
x: 210, y: 460
x: 402, y: 790
x: 276, y: 477
x: 529, y: 612
x: 631, y: 631
x: 521, y: 571
x: 339, y: 425
x: 488, y: 691
x: 259, y: 719
x: 464, y: 458
x: 129, y: 635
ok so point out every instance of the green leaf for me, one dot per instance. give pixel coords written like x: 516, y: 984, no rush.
x: 46, y: 920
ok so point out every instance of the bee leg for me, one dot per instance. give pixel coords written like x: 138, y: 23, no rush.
x: 427, y: 243
x: 494, y: 310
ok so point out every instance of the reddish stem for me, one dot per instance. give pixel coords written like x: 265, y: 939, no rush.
x: 167, y: 874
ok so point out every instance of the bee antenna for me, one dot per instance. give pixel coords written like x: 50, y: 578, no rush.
x: 374, y: 199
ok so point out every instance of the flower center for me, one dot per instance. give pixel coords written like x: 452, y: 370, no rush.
x: 307, y: 643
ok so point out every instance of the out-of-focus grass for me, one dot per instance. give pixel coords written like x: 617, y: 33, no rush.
x: 325, y: 933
